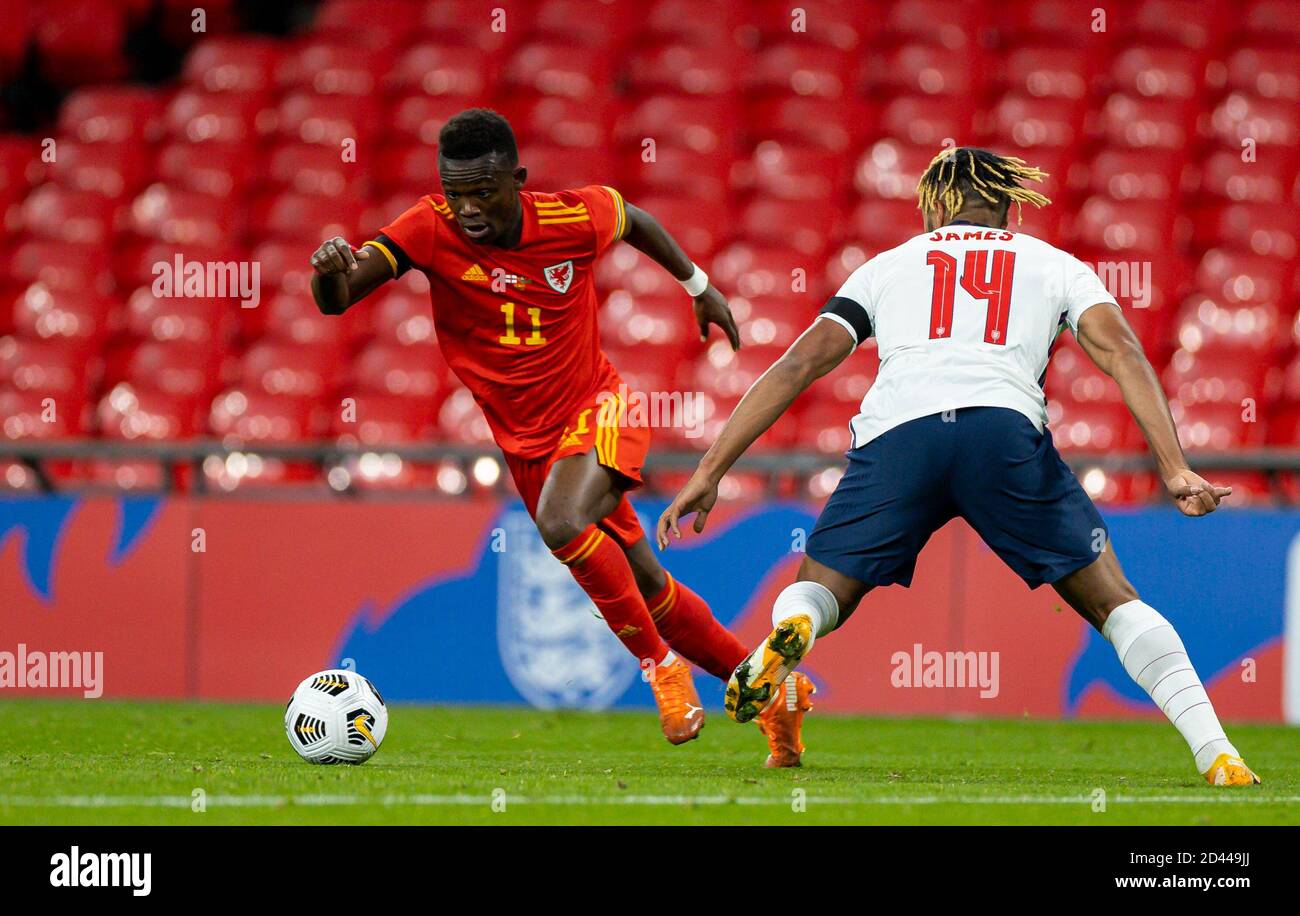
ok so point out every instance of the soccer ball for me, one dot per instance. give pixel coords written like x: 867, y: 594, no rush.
x: 336, y: 716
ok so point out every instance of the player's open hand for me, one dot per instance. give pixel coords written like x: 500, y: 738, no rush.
x: 711, y: 308
x: 1193, y: 494
x: 336, y: 256
x: 697, y: 496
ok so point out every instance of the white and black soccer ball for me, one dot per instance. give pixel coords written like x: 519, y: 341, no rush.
x: 336, y: 716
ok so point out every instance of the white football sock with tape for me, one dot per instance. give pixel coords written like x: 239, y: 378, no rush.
x: 808, y: 599
x: 1154, y: 656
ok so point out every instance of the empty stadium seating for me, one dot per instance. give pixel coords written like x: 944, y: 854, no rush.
x: 781, y: 147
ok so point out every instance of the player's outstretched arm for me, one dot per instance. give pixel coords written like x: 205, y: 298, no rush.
x: 1110, y: 343
x: 817, y: 351
x: 646, y: 235
x: 344, y: 276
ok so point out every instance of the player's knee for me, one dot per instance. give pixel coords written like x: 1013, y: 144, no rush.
x: 558, y: 528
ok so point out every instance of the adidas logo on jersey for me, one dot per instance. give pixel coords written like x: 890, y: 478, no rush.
x: 499, y: 278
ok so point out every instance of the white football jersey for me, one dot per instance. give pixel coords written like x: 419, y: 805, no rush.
x: 964, y: 316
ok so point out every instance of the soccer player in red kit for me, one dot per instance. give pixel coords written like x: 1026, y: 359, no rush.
x: 514, y: 303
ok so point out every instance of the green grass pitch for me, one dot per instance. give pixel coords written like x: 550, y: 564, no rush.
x: 101, y: 762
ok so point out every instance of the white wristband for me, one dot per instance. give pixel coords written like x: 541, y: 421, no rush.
x: 696, y: 283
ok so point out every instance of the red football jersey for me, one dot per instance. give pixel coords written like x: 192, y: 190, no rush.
x: 517, y: 325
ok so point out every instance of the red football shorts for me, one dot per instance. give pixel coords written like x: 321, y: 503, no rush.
x: 599, y: 424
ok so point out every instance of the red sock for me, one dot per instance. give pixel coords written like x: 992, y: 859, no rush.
x: 690, y: 628
x: 601, y: 568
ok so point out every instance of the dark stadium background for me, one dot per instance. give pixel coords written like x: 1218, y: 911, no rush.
x: 787, y: 140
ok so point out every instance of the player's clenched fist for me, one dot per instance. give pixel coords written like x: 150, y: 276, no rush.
x: 336, y: 256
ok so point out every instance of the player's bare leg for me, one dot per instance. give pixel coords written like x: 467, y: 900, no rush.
x: 818, y: 601
x: 577, y: 494
x: 690, y: 629
x: 1154, y: 656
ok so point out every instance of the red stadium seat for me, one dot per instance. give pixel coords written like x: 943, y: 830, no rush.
x: 179, y: 369
x: 32, y: 415
x: 1215, y: 426
x: 890, y: 169
x: 470, y: 23
x: 1267, y: 122
x: 387, y: 23
x: 285, y: 266
x: 294, y: 318
x: 631, y: 320
x: 328, y: 68
x: 684, y: 68
x: 880, y: 224
x: 1269, y: 73
x: 1243, y: 278
x: 764, y: 274
x: 407, y: 165
x: 387, y: 420
x: 1271, y: 22
x: 553, y: 168
x: 1214, y: 377
x: 927, y: 121
x: 306, y: 217
x: 724, y: 373
x: 1123, y: 226
x: 1225, y: 175
x: 553, y: 69
x: 826, y: 23
x: 44, y: 367
x: 77, y: 320
x: 1137, y: 123
x: 185, y: 217
x: 1267, y: 231
x: 114, y: 170
x: 402, y: 371
x: 1185, y: 23
x: 587, y: 24
x: 440, y: 70
x: 114, y: 114
x: 680, y: 21
x: 403, y: 316
x: 1073, y: 378
x: 1159, y: 73
x: 800, y: 69
x: 837, y: 125
x: 793, y: 172
x: 130, y: 412
x: 420, y: 117
x: 948, y: 23
x: 696, y: 124
x: 698, y: 231
x: 324, y: 121
x: 1047, y: 72
x: 217, y: 117
x: 286, y: 369
x: 313, y: 170
x: 209, y: 322
x: 1253, y: 332
x: 824, y: 427
x: 1090, y: 427
x: 79, y: 217
x: 923, y: 69
x: 1028, y: 122
x: 642, y: 368
x: 245, y: 64
x: 61, y: 266
x: 251, y: 416
x: 217, y: 169
x: 81, y: 41
x: 561, y: 121
x: 1136, y: 174
x: 805, y: 225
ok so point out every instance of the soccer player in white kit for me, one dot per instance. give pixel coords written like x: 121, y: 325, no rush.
x: 965, y: 315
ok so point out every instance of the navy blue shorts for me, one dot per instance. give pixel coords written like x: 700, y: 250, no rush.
x: 988, y: 465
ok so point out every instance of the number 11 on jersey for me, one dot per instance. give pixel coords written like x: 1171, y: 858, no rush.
x: 994, y: 287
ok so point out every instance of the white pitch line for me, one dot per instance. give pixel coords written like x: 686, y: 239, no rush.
x: 434, y: 801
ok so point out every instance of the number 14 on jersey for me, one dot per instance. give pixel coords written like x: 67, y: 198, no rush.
x: 994, y: 287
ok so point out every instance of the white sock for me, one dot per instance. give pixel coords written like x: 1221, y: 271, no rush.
x: 808, y: 599
x: 1154, y: 656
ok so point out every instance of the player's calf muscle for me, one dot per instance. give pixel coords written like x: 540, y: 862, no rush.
x: 1097, y: 589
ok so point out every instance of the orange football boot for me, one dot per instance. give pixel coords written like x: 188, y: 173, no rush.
x: 1228, y: 770
x: 782, y: 722
x: 680, y: 712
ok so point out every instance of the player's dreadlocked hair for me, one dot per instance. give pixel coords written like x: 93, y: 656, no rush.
x: 476, y: 132
x: 956, y: 174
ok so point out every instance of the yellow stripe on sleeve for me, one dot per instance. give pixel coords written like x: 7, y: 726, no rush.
x: 392, y: 261
x: 620, y: 222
